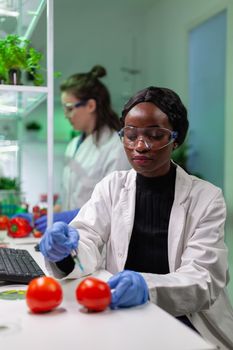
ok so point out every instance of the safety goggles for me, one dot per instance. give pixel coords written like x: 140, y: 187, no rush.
x: 154, y: 138
x: 69, y: 107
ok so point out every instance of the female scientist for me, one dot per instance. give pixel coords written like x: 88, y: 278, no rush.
x: 97, y: 151
x: 163, y: 229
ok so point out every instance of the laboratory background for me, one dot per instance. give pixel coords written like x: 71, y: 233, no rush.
x: 184, y: 45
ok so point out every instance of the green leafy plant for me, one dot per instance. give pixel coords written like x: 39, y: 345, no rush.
x: 17, y: 54
x: 7, y: 183
x: 33, y: 125
x: 3, y: 72
x: 180, y: 155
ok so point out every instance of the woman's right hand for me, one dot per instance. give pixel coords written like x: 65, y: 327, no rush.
x: 58, y: 241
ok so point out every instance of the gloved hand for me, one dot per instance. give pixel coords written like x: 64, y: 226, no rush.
x: 65, y: 216
x: 58, y: 241
x: 129, y: 289
x: 27, y: 216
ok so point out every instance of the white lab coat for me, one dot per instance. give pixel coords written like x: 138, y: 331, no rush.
x: 197, y: 254
x: 86, y: 167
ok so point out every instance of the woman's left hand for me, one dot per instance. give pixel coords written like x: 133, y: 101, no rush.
x: 128, y: 289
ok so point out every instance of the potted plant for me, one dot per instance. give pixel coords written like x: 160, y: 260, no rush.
x: 3, y: 72
x: 33, y: 126
x: 7, y: 183
x: 180, y: 155
x: 17, y: 56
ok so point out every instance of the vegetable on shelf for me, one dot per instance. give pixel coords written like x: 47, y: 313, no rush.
x: 36, y: 233
x: 4, y: 222
x: 38, y: 212
x: 19, y: 227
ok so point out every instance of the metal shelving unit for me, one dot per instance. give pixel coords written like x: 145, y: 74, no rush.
x: 20, y: 16
x: 19, y: 100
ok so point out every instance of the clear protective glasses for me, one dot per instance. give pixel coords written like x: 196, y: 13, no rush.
x: 154, y: 138
x: 69, y: 107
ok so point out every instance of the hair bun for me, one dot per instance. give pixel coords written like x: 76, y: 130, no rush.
x: 98, y: 71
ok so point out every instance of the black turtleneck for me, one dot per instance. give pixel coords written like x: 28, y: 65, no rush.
x: 148, y: 250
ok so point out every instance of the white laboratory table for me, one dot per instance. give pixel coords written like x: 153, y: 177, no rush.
x: 70, y: 327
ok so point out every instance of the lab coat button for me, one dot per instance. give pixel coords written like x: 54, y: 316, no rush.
x: 120, y: 255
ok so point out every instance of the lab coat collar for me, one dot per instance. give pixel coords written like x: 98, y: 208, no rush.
x: 183, y: 186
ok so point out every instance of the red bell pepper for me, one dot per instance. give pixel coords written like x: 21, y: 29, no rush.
x: 19, y: 227
x: 4, y: 222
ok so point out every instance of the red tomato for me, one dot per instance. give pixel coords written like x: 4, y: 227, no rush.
x: 4, y: 221
x: 36, y: 209
x: 94, y: 294
x: 37, y: 233
x: 43, y: 294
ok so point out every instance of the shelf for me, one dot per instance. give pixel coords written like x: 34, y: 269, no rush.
x: 8, y: 146
x: 9, y: 159
x: 20, y: 17
x: 23, y: 88
x: 20, y: 100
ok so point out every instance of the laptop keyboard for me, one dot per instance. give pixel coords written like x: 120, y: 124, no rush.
x: 18, y: 266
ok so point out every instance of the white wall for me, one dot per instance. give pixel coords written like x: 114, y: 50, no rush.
x: 99, y: 32
x: 109, y: 35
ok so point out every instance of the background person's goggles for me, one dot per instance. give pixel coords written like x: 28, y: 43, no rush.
x: 153, y: 137
x: 68, y: 107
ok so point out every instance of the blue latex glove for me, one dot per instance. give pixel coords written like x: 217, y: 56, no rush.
x: 129, y: 289
x: 58, y: 241
x: 27, y: 216
x: 65, y: 216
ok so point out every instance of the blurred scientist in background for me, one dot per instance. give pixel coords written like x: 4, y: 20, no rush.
x: 97, y: 151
